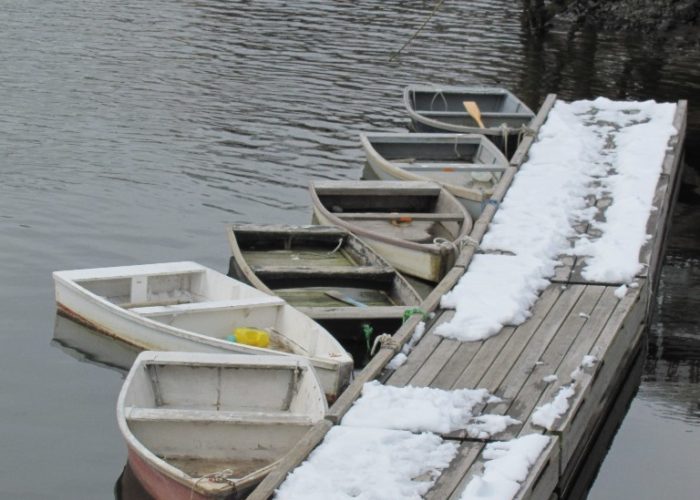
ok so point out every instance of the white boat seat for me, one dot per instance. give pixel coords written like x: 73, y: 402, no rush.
x: 134, y: 414
x: 489, y: 114
x: 409, y: 216
x: 420, y: 166
x: 211, y: 305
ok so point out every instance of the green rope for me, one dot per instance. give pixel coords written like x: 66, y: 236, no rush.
x: 367, y: 331
x: 414, y: 310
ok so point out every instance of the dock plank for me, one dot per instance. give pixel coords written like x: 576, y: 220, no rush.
x: 612, y: 348
x: 420, y: 353
x: 522, y: 405
x: 482, y: 372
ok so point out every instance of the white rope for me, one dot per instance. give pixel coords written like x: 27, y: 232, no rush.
x: 221, y: 476
x: 384, y: 340
x: 337, y: 247
x: 458, y: 244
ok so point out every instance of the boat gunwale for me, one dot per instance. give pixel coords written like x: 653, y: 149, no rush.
x: 397, y: 281
x: 457, y: 190
x: 161, y: 465
x: 488, y: 131
x: 431, y: 248
x: 331, y: 362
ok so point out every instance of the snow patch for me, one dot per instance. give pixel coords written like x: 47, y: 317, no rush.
x: 507, y: 467
x: 370, y: 464
x: 546, y: 415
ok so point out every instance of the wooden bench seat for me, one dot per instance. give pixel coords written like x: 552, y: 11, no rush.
x: 211, y: 305
x: 134, y: 414
x: 400, y: 215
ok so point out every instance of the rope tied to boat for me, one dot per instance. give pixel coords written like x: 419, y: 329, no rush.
x: 384, y: 340
x: 457, y: 245
x: 222, y: 476
x: 524, y: 131
x: 505, y: 132
x: 412, y: 311
x: 337, y: 247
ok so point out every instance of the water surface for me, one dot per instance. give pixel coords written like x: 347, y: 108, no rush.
x: 131, y: 132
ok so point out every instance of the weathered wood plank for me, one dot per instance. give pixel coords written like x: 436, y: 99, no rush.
x: 581, y: 346
x: 582, y: 468
x: 615, y: 342
x: 455, y: 366
x: 432, y: 301
x: 517, y: 372
x: 450, y: 479
x: 524, y: 402
x: 291, y: 460
x: 420, y: 353
x: 505, y: 347
x: 675, y: 144
x: 435, y: 363
x: 541, y: 116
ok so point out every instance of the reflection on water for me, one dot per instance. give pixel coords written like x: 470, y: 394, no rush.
x: 132, y: 131
x: 90, y: 346
x: 672, y: 372
x: 128, y: 486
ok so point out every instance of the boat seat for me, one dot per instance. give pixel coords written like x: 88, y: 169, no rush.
x: 137, y: 414
x: 409, y: 216
x: 420, y: 166
x: 489, y: 114
x: 372, y: 273
x: 211, y: 305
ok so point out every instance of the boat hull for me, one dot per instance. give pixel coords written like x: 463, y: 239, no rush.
x: 419, y: 262
x: 146, y: 334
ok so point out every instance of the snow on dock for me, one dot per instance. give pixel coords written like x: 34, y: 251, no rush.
x: 501, y: 393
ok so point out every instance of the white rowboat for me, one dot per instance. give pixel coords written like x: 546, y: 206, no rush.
x: 213, y: 425
x: 416, y: 226
x: 468, y: 165
x: 184, y: 306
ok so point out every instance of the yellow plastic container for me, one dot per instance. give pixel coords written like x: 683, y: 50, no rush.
x: 250, y: 336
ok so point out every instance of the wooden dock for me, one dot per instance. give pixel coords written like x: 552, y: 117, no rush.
x: 572, y: 318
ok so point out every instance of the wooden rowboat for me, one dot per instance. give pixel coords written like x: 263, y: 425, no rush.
x: 416, y: 226
x: 184, y: 306
x: 325, y: 272
x: 468, y: 165
x: 202, y: 426
x: 441, y: 109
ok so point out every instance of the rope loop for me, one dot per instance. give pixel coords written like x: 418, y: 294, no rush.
x: 384, y: 340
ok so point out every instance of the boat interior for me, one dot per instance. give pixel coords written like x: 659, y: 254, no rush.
x: 208, y: 304
x: 190, y: 415
x: 402, y: 214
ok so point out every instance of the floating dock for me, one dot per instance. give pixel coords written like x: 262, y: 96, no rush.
x: 573, y: 317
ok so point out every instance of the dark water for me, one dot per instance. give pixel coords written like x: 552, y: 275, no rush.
x: 131, y: 132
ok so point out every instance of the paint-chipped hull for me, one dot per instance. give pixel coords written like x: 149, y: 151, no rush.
x: 146, y: 334
x: 163, y: 487
x: 426, y: 263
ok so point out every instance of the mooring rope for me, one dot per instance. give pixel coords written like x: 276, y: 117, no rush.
x: 435, y: 9
x: 221, y: 476
x: 384, y: 340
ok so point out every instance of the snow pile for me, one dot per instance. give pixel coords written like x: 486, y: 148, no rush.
x: 546, y: 415
x: 509, y: 462
x: 402, y: 356
x: 370, y: 464
x: 415, y: 409
x: 485, y: 426
x: 598, y: 149
x: 495, y: 291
